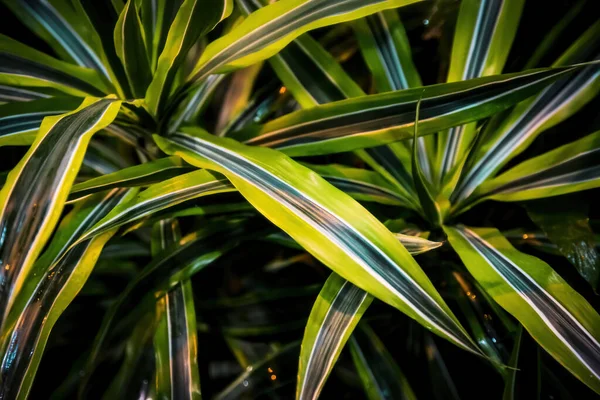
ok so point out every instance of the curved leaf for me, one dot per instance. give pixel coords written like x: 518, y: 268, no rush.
x: 23, y: 66
x: 557, y: 317
x: 266, y: 31
x: 160, y: 196
x: 37, y: 188
x: 138, y: 175
x: 374, y: 120
x: 334, y: 316
x: 19, y: 122
x: 56, y: 278
x: 327, y: 223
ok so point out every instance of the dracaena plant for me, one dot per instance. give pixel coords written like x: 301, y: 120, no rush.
x: 215, y: 193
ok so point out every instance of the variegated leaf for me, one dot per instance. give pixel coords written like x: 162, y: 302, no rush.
x: 374, y: 120
x: 326, y: 222
x: 557, y: 317
x: 37, y: 188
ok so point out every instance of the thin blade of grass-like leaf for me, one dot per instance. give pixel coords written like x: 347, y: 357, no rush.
x: 160, y: 196
x: 138, y: 175
x: 485, y: 32
x: 175, y: 340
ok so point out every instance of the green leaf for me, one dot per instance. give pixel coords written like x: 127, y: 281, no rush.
x: 138, y: 175
x: 160, y: 196
x: 361, y: 184
x: 37, y: 188
x: 22, y: 66
x: 570, y: 168
x: 505, y: 139
x: 129, y: 45
x: 380, y: 375
x: 374, y: 120
x: 327, y: 223
x: 338, y: 309
x: 482, y: 40
x: 266, y: 31
x: 62, y: 24
x: 193, y: 20
x: 385, y: 47
x: 569, y: 229
x: 175, y: 341
x: 334, y: 316
x: 557, y: 317
x: 55, y: 280
x: 19, y: 122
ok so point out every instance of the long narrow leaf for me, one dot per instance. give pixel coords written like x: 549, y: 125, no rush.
x: 374, y: 120
x: 37, y: 188
x: 300, y: 202
x: 558, y: 317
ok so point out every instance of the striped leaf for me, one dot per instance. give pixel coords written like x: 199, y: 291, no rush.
x: 327, y: 223
x: 19, y: 122
x: 193, y: 20
x: 484, y: 35
x: 129, y: 45
x: 557, y: 317
x: 177, y: 334
x: 62, y: 24
x: 361, y: 184
x: 385, y: 47
x: 380, y: 375
x: 37, y: 188
x: 507, y: 138
x: 266, y: 31
x: 334, y: 316
x: 373, y: 120
x: 160, y: 196
x: 59, y: 276
x: 175, y: 340
x: 22, y: 66
x: 570, y: 168
x: 138, y: 175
